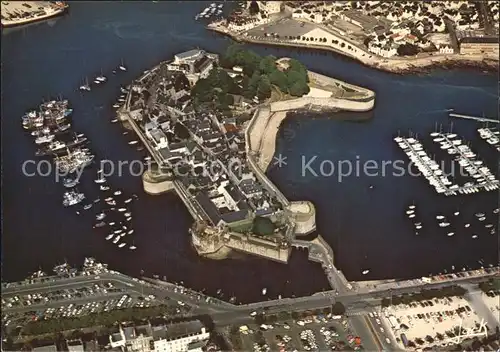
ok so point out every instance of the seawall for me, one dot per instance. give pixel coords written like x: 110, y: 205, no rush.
x: 394, y: 65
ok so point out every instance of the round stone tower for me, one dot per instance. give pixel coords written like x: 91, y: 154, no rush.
x: 304, y: 214
x: 155, y: 182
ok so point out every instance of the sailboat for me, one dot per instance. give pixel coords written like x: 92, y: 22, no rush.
x: 122, y: 66
x: 85, y: 86
x: 101, y: 78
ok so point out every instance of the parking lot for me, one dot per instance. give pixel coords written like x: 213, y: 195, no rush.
x: 308, y: 334
x: 431, y: 322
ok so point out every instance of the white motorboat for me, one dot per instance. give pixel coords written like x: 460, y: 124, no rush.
x: 111, y: 223
x: 121, y: 245
x: 87, y: 206
x: 474, y: 236
x: 450, y: 234
x: 411, y: 216
x: 122, y: 67
x: 264, y: 291
x: 410, y: 212
x: 130, y: 232
x: 100, y: 216
x: 116, y: 239
x: 122, y: 209
x: 444, y: 224
x: 108, y: 237
x: 482, y: 218
x: 117, y: 193
x: 128, y: 200
x: 103, y: 188
x: 488, y: 226
x: 467, y: 225
x: 365, y: 272
x: 133, y: 247
x: 133, y: 142
x: 439, y: 217
x: 456, y: 213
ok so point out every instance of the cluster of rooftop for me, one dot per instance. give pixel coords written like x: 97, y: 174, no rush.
x: 368, y: 30
x: 204, y: 149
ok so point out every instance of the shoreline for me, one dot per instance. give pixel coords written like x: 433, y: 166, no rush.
x: 451, y: 61
x: 7, y: 24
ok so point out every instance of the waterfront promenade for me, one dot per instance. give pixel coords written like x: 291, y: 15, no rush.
x: 17, y: 13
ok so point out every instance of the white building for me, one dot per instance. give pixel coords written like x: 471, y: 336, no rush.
x: 445, y: 49
x: 181, y: 337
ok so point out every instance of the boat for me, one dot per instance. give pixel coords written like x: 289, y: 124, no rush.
x: 71, y: 198
x: 450, y: 234
x: 130, y: 232
x: 410, y: 212
x: 474, y: 236
x: 444, y: 224
x: 488, y: 226
x: 100, y: 216
x: 466, y: 225
x: 482, y: 218
x: 111, y: 223
x: 411, y: 216
x: 44, y: 138
x: 365, y: 272
x: 87, y: 206
x: 121, y: 245
x: 128, y: 218
x: 101, y: 179
x: 439, y: 217
x: 122, y: 67
x: 116, y: 105
x: 128, y: 200
x: 456, y: 213
x: 103, y: 188
x: 100, y: 224
x: 108, y: 237
x: 101, y: 78
x: 117, y: 193
x: 479, y: 215
x: 70, y: 182
x: 133, y: 142
x: 116, y: 239
x: 114, y: 121
x: 109, y: 199
x: 133, y: 247
x: 496, y: 211
x: 122, y: 209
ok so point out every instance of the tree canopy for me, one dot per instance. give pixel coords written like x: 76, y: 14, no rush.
x: 263, y: 226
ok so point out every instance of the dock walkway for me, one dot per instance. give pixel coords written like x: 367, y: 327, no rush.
x: 477, y: 118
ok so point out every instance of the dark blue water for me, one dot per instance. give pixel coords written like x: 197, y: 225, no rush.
x: 365, y: 226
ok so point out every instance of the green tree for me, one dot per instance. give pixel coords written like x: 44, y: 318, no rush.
x: 263, y: 226
x: 264, y: 88
x: 267, y: 65
x: 279, y: 79
x: 299, y: 89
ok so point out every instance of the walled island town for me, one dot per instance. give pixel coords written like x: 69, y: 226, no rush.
x: 207, y: 124
x: 392, y: 36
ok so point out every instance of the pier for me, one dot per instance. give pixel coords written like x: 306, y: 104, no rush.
x: 477, y: 118
x: 489, y: 183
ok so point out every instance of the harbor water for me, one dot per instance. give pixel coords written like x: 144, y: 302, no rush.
x: 362, y: 217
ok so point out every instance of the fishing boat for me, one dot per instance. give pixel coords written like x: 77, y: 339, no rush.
x: 133, y: 142
x: 87, y: 206
x: 121, y: 245
x: 128, y: 200
x: 444, y: 224
x: 130, y: 232
x: 103, y: 188
x: 365, y: 272
x: 482, y: 218
x: 108, y: 237
x: 117, y: 193
x: 122, y: 209
x: 116, y: 239
x: 132, y: 247
x: 100, y: 216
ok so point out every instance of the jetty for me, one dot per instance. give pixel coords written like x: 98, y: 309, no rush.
x: 477, y: 118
